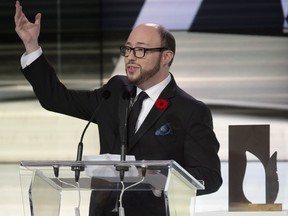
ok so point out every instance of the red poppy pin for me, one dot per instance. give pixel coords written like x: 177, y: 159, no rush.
x: 161, y: 104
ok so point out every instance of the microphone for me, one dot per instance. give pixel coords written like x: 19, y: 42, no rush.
x: 122, y: 169
x: 126, y: 96
x: 105, y: 95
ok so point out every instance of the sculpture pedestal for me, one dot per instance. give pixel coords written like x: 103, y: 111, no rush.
x: 255, y: 207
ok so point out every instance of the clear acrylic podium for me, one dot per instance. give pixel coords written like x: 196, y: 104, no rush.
x: 44, y: 194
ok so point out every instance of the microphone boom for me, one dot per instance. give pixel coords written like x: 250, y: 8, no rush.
x: 79, y: 168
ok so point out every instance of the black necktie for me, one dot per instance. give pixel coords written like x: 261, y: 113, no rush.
x: 134, y: 113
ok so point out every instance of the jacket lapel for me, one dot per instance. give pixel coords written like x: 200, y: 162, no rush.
x: 151, y: 118
x: 154, y: 113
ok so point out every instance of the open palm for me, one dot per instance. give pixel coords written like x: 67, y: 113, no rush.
x: 26, y: 30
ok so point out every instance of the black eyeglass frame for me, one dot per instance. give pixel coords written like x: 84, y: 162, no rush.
x: 123, y: 50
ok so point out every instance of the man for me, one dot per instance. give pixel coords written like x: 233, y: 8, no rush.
x: 172, y: 125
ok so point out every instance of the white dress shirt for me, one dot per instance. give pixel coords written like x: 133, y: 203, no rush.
x: 31, y: 57
x: 153, y: 94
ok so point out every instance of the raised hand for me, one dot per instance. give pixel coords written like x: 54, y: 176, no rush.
x: 27, y: 31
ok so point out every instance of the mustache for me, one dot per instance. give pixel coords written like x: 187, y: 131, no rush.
x: 132, y: 62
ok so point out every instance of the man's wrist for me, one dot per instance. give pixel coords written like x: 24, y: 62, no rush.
x: 31, y: 47
x: 28, y: 58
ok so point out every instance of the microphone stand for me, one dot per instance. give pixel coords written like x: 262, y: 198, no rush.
x: 79, y: 168
x: 124, y: 168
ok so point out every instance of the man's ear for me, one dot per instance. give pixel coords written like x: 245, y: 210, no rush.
x: 167, y: 56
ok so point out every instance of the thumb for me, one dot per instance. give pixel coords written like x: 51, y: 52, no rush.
x: 38, y: 19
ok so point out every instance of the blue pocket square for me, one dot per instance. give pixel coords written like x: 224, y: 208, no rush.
x: 164, y: 130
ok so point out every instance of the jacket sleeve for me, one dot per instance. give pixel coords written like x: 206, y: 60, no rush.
x: 53, y: 94
x: 201, y: 150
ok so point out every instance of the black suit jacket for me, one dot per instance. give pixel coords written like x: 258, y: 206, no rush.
x: 186, y: 135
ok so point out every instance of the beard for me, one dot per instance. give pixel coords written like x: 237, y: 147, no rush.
x: 145, y: 74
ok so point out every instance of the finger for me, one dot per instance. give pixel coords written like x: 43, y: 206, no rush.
x: 17, y: 3
x: 19, y: 15
x: 38, y: 19
x: 21, y: 21
x: 18, y: 10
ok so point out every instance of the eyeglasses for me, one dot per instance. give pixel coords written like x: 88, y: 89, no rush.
x: 139, y: 52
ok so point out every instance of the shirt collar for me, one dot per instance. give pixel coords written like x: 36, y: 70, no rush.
x: 154, y: 91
